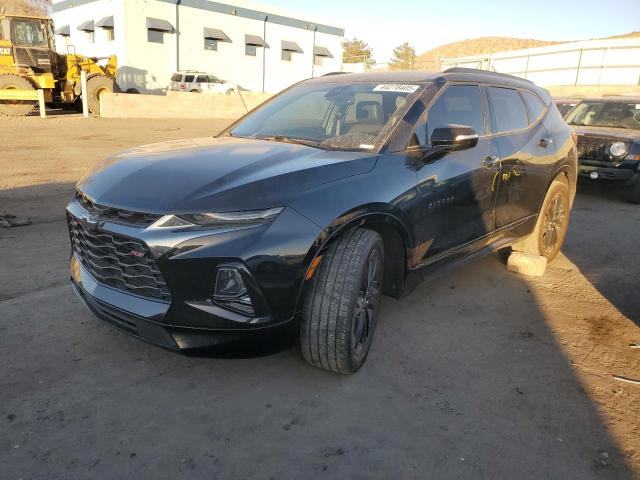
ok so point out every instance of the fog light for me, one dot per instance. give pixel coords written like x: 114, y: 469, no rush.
x: 594, y: 175
x: 231, y: 292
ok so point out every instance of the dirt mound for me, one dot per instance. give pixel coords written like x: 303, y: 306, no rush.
x: 27, y: 7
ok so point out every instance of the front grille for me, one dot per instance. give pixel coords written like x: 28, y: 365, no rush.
x: 116, y: 215
x: 595, y: 148
x: 117, y: 261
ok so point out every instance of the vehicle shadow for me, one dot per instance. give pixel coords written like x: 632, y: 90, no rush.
x: 466, y: 379
x: 606, y: 250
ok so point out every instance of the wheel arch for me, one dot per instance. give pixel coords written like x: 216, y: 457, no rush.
x: 395, y: 237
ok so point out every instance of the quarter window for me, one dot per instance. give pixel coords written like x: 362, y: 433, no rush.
x: 508, y: 112
x: 459, y: 105
x: 188, y: 78
x: 534, y: 105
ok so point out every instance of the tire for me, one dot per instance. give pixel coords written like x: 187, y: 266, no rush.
x: 553, y: 222
x: 195, y: 91
x: 96, y: 86
x: 632, y: 193
x: 15, y: 108
x: 230, y: 91
x: 340, y: 307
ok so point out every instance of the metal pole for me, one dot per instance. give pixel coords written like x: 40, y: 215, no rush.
x: 264, y: 52
x: 43, y: 107
x: 85, y: 103
x: 578, y: 69
x: 313, y: 56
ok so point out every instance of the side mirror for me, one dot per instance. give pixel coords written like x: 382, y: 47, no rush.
x: 454, y: 137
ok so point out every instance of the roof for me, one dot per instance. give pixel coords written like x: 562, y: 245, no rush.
x: 451, y: 75
x: 614, y: 98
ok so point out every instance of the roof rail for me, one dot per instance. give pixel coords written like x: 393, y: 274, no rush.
x: 333, y: 73
x: 484, y: 72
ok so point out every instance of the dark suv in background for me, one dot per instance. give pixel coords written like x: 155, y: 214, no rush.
x: 609, y: 141
x: 305, y: 211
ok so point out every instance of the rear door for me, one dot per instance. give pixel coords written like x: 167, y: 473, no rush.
x: 456, y: 198
x: 524, y: 149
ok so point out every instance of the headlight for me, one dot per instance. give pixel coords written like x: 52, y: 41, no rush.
x: 618, y: 149
x: 248, y: 218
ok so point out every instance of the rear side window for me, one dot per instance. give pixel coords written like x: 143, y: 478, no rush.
x: 460, y: 105
x: 188, y: 78
x: 534, y: 104
x: 203, y: 79
x: 176, y: 77
x: 507, y: 110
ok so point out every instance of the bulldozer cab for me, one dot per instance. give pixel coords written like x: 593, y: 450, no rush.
x: 30, y: 41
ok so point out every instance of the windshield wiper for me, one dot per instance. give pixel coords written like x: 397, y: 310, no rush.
x: 285, y: 139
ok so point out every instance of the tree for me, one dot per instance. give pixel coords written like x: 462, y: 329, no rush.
x: 403, y: 57
x: 357, y: 51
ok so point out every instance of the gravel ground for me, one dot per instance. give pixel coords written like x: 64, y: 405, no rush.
x: 479, y: 374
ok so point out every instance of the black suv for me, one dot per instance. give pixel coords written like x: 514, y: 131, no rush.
x: 307, y: 209
x: 609, y: 141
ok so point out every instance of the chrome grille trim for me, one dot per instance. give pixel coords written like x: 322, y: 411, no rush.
x: 116, y: 215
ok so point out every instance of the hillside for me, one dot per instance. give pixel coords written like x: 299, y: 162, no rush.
x: 26, y: 7
x: 487, y: 45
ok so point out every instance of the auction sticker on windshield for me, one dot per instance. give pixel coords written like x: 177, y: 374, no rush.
x: 396, y: 87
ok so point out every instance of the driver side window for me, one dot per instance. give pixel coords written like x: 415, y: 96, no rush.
x: 458, y: 105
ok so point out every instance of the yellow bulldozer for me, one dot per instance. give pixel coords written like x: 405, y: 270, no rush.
x: 29, y: 61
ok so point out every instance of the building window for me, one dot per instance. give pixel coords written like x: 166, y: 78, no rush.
x: 287, y: 55
x: 91, y: 37
x: 155, y: 36
x: 108, y: 32
x: 250, y: 50
x: 211, y: 44
x: 317, y: 60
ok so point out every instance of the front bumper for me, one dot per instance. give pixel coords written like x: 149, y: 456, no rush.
x: 275, y: 258
x: 623, y: 175
x: 144, y: 318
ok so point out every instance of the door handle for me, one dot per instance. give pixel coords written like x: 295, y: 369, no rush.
x: 545, y: 142
x: 489, y: 161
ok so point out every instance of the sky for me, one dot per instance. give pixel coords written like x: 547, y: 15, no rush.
x: 429, y: 23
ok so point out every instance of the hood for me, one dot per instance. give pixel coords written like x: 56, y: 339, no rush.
x: 216, y: 174
x: 621, y: 133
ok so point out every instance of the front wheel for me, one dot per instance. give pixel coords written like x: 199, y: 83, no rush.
x: 341, y: 305
x: 96, y: 87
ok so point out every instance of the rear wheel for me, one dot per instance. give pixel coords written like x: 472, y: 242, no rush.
x: 552, y: 224
x: 96, y: 87
x: 15, y: 108
x: 341, y: 306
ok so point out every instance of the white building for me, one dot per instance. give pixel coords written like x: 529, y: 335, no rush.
x: 259, y: 49
x: 614, y: 61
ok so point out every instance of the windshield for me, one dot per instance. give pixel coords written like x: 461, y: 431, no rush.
x: 606, y: 114
x: 334, y: 116
x: 28, y: 33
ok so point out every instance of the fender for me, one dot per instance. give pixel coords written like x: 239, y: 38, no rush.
x: 384, y: 222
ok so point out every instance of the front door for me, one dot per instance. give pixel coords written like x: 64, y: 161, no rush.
x: 457, y: 190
